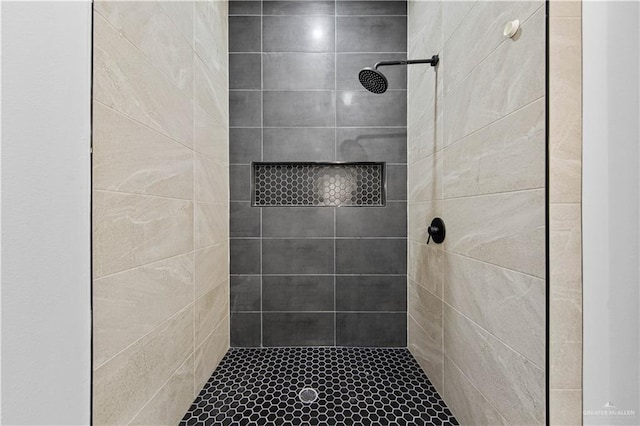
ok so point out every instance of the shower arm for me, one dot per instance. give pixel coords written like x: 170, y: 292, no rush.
x: 433, y: 61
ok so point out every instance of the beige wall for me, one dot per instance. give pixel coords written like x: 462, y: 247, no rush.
x: 160, y: 206
x: 565, y: 173
x: 477, y: 159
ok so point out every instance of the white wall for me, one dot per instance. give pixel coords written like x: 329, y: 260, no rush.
x: 611, y: 208
x: 46, y: 51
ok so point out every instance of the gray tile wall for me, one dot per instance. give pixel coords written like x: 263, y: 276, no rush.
x: 317, y: 276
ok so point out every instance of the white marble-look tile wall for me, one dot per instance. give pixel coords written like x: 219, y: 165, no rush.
x: 160, y: 206
x: 476, y: 145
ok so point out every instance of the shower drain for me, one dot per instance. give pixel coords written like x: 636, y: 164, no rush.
x: 308, y: 395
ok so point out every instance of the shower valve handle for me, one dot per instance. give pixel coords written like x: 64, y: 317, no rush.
x: 436, y: 231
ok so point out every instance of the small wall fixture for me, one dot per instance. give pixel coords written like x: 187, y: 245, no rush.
x: 375, y: 82
x: 436, y: 231
x: 511, y: 28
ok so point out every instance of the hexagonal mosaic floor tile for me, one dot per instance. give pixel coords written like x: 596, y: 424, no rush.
x: 354, y: 386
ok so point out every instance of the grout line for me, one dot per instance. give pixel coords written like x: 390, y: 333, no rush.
x: 261, y: 158
x: 335, y: 156
x: 120, y: 34
x: 311, y: 90
x: 213, y: 330
x: 194, y: 168
x: 322, y: 15
x: 135, y: 120
x: 486, y: 58
x: 475, y: 387
x: 480, y: 129
x: 320, y: 127
x: 320, y: 238
x: 110, y: 191
x: 500, y: 340
x: 159, y: 325
x: 347, y: 162
x: 319, y: 275
x: 292, y: 52
x: 320, y: 312
x: 160, y: 388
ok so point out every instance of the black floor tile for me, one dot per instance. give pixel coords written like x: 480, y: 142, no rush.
x: 363, y: 386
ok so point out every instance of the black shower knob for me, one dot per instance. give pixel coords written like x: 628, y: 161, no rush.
x: 436, y: 231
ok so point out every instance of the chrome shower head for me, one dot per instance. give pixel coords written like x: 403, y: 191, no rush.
x: 373, y: 80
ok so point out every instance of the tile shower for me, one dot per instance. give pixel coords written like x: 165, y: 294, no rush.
x: 316, y: 275
x: 306, y: 289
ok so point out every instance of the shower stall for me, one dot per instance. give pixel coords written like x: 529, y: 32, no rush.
x: 270, y: 213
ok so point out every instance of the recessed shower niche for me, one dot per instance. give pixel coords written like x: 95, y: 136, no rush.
x: 318, y: 184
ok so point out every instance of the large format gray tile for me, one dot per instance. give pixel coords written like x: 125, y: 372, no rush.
x: 245, y: 256
x: 245, y: 329
x: 298, y: 34
x: 372, y: 34
x: 360, y: 8
x: 299, y: 109
x: 299, y: 144
x: 297, y: 256
x: 371, y: 293
x: 244, y: 33
x: 371, y: 256
x: 245, y: 71
x: 245, y: 145
x: 244, y: 220
x: 297, y: 329
x: 245, y: 293
x: 371, y: 329
x: 388, y: 221
x: 396, y: 183
x: 245, y: 7
x: 370, y: 144
x: 245, y: 108
x: 296, y: 7
x: 348, y: 66
x: 297, y: 222
x: 240, y: 182
x: 298, y: 71
x: 362, y: 108
x: 297, y: 293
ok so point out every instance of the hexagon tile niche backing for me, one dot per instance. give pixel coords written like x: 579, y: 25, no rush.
x: 318, y: 184
x: 355, y: 386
